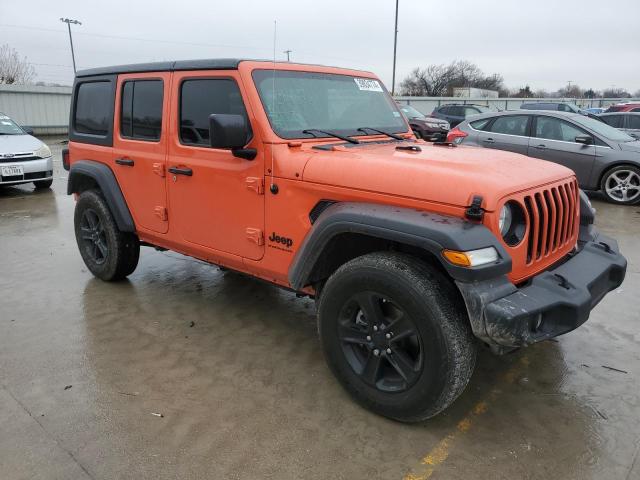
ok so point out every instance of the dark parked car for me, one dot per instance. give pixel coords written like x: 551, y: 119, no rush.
x: 604, y: 158
x: 624, y: 107
x: 554, y: 106
x: 628, y: 122
x: 456, y: 113
x: 429, y: 128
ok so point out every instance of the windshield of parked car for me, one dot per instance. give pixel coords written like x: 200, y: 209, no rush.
x: 9, y: 127
x: 601, y: 128
x: 321, y: 101
x: 411, y: 112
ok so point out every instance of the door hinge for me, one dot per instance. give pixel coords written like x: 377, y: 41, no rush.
x: 256, y: 184
x: 158, y: 169
x: 161, y: 213
x: 255, y: 235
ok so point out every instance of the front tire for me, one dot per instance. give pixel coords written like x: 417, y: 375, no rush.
x: 396, y: 335
x: 107, y: 252
x: 621, y: 185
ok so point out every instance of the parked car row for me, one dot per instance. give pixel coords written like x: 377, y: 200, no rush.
x: 603, y: 158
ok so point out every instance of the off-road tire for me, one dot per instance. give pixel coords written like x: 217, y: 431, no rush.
x: 42, y: 184
x: 424, y: 294
x: 629, y: 173
x: 122, y: 248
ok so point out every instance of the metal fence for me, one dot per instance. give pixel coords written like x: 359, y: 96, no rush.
x: 426, y: 105
x: 45, y: 109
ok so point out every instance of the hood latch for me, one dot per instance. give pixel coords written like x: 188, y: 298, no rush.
x: 475, y: 210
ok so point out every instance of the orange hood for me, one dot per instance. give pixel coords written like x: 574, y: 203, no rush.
x: 450, y: 175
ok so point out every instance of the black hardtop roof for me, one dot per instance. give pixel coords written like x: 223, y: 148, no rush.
x: 204, y: 64
x: 176, y: 65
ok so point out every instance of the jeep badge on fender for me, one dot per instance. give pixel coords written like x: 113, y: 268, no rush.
x: 287, y: 242
x: 405, y: 285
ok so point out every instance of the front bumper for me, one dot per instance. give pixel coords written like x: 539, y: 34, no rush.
x: 551, y: 303
x: 34, y: 170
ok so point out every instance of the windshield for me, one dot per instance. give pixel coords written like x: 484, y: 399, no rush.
x: 411, y: 112
x: 9, y: 127
x: 323, y: 101
x: 603, y: 129
x: 483, y: 109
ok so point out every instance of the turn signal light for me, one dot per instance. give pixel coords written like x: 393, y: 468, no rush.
x: 472, y: 258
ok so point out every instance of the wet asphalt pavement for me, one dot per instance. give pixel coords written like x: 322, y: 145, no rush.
x: 185, y: 371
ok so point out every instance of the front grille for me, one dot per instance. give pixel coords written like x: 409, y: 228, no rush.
x: 553, y: 221
x: 18, y: 158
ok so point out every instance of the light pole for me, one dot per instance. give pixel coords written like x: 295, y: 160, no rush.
x: 288, y: 52
x: 69, y: 21
x: 395, y: 44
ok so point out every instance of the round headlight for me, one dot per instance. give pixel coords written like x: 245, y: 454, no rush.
x: 512, y: 223
x: 506, y: 217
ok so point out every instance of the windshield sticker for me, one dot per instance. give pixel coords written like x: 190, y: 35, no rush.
x: 396, y: 114
x: 368, y: 85
x: 4, y: 117
x: 6, y: 123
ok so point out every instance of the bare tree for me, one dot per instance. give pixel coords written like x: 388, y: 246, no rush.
x: 14, y: 69
x: 440, y: 80
x: 615, y: 93
x: 571, y: 91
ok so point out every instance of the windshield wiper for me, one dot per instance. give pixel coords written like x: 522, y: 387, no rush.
x: 392, y: 135
x: 331, y: 134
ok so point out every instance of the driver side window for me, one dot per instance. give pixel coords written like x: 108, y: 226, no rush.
x: 553, y: 128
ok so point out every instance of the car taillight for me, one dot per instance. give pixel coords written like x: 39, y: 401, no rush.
x: 65, y: 159
x: 456, y: 136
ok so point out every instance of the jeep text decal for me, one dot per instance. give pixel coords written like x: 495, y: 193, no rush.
x: 284, y: 241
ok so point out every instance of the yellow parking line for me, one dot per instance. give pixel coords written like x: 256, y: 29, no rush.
x: 440, y: 452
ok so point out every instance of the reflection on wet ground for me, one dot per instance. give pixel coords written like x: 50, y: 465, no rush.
x: 234, y: 367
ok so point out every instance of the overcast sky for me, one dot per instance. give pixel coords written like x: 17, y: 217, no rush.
x: 542, y: 43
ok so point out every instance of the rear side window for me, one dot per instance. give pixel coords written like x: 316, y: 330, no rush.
x: 200, y: 98
x: 468, y: 111
x: 616, y: 121
x: 94, y: 108
x: 141, y: 109
x: 635, y: 109
x: 511, y: 125
x: 480, y: 124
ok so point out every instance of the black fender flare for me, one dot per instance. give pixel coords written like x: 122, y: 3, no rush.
x: 430, y: 231
x: 106, y: 181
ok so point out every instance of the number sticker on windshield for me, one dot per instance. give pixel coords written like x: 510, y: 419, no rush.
x: 368, y: 85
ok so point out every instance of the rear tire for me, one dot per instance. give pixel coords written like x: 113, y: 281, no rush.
x: 396, y: 335
x: 42, y: 184
x: 107, y: 252
x: 621, y: 185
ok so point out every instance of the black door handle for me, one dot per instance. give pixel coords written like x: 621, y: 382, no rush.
x: 127, y: 162
x: 489, y: 140
x: 541, y: 147
x: 181, y: 171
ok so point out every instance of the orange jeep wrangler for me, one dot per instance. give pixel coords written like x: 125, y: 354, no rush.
x: 310, y: 178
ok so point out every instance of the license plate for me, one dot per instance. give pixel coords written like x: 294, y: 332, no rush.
x: 12, y: 171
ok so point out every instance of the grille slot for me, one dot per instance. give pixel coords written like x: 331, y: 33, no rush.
x: 551, y: 217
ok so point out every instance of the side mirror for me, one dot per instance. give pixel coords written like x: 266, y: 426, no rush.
x: 230, y: 131
x: 28, y: 130
x: 584, y: 139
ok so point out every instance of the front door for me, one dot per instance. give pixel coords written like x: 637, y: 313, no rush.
x: 216, y: 199
x: 140, y: 146
x: 553, y: 139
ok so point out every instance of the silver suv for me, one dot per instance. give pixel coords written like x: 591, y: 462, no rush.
x: 602, y: 157
x: 23, y: 158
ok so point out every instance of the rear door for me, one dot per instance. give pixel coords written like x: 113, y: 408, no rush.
x: 553, y: 139
x: 140, y: 146
x: 217, y: 202
x: 507, y: 132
